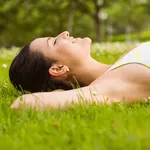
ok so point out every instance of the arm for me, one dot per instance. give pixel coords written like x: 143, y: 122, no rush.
x: 63, y: 99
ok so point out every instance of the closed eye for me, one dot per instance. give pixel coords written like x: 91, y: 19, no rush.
x: 55, y: 41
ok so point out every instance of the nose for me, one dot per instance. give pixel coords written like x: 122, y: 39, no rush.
x: 64, y: 35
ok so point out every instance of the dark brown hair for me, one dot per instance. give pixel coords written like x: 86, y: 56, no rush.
x: 29, y: 72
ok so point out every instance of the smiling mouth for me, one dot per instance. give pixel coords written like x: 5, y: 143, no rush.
x: 73, y: 40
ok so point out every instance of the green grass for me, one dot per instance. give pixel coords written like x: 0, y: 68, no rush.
x: 88, y: 127
x: 141, y: 36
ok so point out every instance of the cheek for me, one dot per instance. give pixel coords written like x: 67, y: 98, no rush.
x: 66, y: 48
x: 70, y: 50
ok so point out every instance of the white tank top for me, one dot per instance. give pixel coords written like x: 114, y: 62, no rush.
x: 140, y: 54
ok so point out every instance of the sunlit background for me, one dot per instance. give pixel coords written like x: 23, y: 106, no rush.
x: 102, y: 20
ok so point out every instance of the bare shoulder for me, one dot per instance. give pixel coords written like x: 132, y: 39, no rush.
x: 130, y: 81
x: 134, y: 72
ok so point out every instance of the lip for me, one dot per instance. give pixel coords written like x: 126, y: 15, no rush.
x: 72, y: 39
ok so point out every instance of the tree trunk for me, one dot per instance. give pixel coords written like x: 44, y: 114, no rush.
x: 97, y: 23
x: 71, y: 16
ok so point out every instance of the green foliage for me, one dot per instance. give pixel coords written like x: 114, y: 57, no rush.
x: 22, y: 21
x: 143, y: 36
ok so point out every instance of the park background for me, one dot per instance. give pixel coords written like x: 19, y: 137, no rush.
x: 102, y: 20
x: 115, y: 26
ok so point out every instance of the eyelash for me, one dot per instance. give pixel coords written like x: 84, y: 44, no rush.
x: 55, y: 41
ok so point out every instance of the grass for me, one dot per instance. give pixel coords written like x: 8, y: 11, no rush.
x: 88, y: 127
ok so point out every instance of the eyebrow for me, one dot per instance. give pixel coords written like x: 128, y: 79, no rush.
x: 47, y: 41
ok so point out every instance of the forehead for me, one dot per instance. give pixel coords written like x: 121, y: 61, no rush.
x: 38, y: 44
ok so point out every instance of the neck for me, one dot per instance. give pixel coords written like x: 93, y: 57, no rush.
x: 90, y: 71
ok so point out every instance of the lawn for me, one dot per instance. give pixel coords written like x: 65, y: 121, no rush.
x: 88, y: 127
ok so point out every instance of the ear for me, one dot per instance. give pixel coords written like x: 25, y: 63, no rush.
x: 58, y: 70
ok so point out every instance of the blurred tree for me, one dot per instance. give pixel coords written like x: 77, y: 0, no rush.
x: 128, y: 16
x: 94, y: 8
x: 22, y: 21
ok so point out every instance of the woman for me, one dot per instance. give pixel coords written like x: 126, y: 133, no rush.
x: 128, y: 78
x: 55, y: 63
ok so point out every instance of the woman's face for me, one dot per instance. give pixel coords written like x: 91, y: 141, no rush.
x: 63, y: 49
